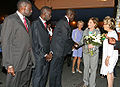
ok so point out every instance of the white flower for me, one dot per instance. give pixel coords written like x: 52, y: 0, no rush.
x: 93, y: 39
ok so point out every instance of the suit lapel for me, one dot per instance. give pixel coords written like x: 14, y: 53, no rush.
x: 20, y: 22
x: 67, y: 25
x: 43, y: 25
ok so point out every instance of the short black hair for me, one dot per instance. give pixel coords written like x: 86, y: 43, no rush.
x: 45, y: 8
x: 22, y: 3
x: 70, y: 11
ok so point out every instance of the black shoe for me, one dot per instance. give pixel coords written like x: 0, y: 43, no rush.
x: 0, y: 82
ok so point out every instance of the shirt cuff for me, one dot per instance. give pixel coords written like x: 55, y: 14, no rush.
x: 10, y: 66
x: 45, y: 55
x: 51, y: 52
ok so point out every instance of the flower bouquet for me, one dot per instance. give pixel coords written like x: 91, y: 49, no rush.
x: 95, y: 40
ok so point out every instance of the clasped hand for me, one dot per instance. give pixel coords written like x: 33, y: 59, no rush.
x: 11, y: 71
x: 49, y: 57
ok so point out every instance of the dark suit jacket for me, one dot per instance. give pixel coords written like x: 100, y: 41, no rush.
x: 117, y: 45
x: 16, y: 43
x: 40, y: 39
x: 62, y: 42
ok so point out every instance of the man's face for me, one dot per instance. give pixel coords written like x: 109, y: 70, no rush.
x: 71, y: 18
x: 48, y: 15
x: 28, y: 10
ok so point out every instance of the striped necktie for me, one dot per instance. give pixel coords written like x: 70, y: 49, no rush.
x: 25, y: 23
x: 45, y: 25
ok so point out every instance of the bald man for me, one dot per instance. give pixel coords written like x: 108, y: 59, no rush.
x: 41, y: 48
x: 61, y: 45
x: 16, y: 41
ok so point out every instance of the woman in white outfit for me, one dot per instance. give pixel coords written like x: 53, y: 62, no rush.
x: 110, y: 55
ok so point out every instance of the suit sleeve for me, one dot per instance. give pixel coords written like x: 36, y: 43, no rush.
x: 36, y: 45
x: 117, y: 45
x: 7, y: 36
x: 68, y: 42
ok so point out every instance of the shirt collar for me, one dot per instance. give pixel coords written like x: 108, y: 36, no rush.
x: 20, y: 15
x: 67, y: 18
x: 43, y: 21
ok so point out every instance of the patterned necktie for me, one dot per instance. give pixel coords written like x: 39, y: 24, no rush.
x: 25, y: 23
x: 68, y: 23
x: 45, y: 25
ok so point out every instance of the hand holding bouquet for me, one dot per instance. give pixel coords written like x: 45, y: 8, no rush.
x: 95, y: 40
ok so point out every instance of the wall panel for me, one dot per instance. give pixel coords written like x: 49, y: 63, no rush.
x: 64, y: 4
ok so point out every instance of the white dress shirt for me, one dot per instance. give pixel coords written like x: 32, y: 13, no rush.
x: 43, y: 21
x: 67, y: 18
x: 21, y: 16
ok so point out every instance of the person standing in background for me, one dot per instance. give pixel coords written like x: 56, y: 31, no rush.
x: 77, y: 53
x: 17, y: 53
x: 41, y: 48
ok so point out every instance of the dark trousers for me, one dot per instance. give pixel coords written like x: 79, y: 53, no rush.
x: 21, y: 78
x: 56, y: 67
x: 68, y: 59
x: 40, y: 73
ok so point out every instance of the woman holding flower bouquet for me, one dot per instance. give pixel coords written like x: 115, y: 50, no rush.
x: 110, y: 56
x: 90, y: 52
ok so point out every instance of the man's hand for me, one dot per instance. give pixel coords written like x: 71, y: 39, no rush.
x: 11, y: 71
x: 107, y: 60
x: 90, y: 46
x: 48, y: 57
x: 111, y: 40
x: 51, y: 55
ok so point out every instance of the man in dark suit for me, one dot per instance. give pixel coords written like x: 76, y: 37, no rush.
x: 61, y: 44
x: 18, y: 58
x: 41, y: 48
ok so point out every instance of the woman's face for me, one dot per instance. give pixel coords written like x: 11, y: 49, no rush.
x: 106, y: 27
x: 91, y: 24
x: 80, y: 25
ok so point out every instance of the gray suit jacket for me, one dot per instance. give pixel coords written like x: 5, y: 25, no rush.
x: 86, y: 33
x: 16, y: 43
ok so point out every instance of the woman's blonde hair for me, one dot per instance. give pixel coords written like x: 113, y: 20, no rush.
x: 109, y: 21
x: 80, y: 22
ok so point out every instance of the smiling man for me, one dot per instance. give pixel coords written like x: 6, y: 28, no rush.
x: 17, y: 53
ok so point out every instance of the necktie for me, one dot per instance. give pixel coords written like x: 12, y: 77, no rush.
x: 68, y: 22
x: 25, y: 23
x: 45, y: 25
